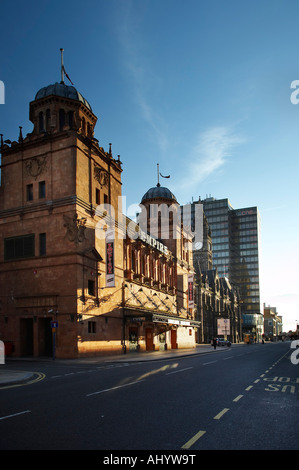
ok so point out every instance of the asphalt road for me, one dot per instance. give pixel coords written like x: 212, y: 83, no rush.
x: 245, y: 398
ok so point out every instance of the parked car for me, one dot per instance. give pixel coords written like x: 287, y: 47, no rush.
x: 223, y: 342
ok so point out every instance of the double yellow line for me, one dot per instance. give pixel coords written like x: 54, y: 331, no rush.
x: 38, y: 376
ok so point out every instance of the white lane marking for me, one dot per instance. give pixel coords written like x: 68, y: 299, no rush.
x: 16, y: 414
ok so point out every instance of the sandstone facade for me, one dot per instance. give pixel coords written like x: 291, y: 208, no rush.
x: 67, y: 289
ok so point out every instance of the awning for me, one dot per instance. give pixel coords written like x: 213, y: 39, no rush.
x: 140, y: 315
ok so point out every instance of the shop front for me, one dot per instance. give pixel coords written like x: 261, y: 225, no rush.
x: 151, y: 331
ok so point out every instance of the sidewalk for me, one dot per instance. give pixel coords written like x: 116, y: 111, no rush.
x: 10, y: 376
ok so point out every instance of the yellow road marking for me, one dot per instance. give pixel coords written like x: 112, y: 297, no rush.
x: 40, y: 376
x: 221, y: 413
x: 193, y: 440
x: 238, y: 398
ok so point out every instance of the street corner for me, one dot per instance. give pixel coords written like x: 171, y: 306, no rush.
x: 12, y: 378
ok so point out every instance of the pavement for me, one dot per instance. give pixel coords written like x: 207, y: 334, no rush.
x: 9, y: 375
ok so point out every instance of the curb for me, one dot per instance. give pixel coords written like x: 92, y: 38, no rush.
x: 8, y: 378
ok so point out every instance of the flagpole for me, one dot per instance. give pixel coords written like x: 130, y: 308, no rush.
x: 158, y: 174
x: 62, y: 68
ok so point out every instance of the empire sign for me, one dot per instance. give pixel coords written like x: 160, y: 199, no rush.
x: 153, y: 242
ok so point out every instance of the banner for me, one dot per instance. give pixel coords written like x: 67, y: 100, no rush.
x: 110, y: 269
x: 190, y: 291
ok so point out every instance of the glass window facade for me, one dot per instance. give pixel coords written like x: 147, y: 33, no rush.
x: 236, y: 244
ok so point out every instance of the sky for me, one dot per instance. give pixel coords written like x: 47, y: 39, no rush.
x: 202, y: 87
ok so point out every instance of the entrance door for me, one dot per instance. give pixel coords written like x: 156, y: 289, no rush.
x: 133, y: 338
x: 26, y: 336
x: 173, y: 339
x: 44, y: 337
x: 149, y: 339
x: 162, y: 340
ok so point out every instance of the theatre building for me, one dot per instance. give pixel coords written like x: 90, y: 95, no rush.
x: 158, y: 304
x: 72, y: 281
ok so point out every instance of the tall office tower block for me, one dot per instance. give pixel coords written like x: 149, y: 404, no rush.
x: 236, y: 245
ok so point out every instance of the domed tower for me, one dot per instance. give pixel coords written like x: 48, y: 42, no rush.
x: 159, y: 194
x: 59, y: 107
x: 161, y: 218
x: 55, y: 183
x: 61, y: 150
x: 160, y: 215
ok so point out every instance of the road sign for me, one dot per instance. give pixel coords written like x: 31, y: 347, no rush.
x: 54, y: 324
x: 223, y: 326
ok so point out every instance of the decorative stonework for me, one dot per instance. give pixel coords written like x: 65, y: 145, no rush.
x: 75, y: 228
x: 101, y: 176
x: 36, y: 166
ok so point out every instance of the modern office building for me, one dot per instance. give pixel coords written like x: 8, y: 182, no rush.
x: 245, y: 235
x: 218, y: 216
x: 235, y: 235
x: 217, y: 300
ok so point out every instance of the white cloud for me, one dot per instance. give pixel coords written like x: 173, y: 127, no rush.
x: 210, y: 153
x: 211, y: 148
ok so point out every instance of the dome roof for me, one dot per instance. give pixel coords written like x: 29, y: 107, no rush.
x: 159, y: 192
x: 63, y: 90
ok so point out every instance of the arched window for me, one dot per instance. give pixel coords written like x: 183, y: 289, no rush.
x: 156, y: 268
x: 146, y: 266
x: 161, y: 274
x: 61, y: 119
x: 41, y: 122
x: 166, y: 274
x: 133, y: 260
x: 48, y: 120
x: 170, y: 278
x: 71, y: 118
x: 83, y: 126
